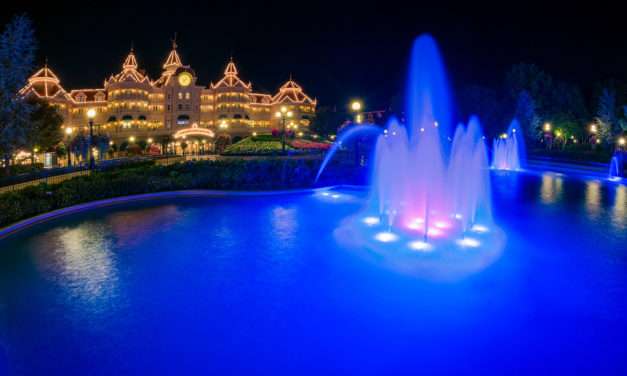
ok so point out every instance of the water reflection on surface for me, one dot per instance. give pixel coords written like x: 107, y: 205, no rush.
x: 619, y: 210
x: 131, y: 227
x: 552, y: 188
x: 593, y: 198
x: 80, y: 259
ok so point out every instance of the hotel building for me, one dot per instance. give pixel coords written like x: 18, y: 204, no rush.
x: 132, y: 106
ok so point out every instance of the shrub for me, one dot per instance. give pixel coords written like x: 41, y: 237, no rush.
x: 258, y: 174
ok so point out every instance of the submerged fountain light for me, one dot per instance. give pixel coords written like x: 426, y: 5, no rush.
x: 479, y: 228
x: 419, y: 245
x: 386, y: 237
x: 371, y: 221
x: 468, y: 242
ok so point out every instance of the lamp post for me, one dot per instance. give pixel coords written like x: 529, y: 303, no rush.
x: 68, y: 132
x: 356, y: 107
x: 283, y: 114
x: 91, y: 114
x: 593, y: 135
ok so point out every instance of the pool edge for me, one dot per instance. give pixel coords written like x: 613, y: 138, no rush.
x: 45, y: 217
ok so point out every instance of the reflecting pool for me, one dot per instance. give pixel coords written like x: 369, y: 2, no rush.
x: 267, y: 284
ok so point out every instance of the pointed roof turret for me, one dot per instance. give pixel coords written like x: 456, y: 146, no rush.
x: 131, y: 61
x: 173, y: 61
x: 230, y: 70
x: 129, y: 71
x: 231, y: 78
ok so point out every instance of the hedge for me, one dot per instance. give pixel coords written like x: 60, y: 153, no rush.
x: 259, y: 174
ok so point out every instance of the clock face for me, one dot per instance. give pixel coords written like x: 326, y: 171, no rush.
x: 185, y: 79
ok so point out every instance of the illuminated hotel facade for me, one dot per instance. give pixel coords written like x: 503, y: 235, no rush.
x: 132, y: 106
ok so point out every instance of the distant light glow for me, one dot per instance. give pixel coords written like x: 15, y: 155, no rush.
x: 335, y: 196
x: 442, y: 224
x: 479, y: 228
x: 434, y: 231
x: 91, y: 113
x: 458, y: 216
x: 325, y: 193
x: 416, y: 223
x: 421, y: 246
x: 356, y: 106
x: 386, y: 237
x: 371, y: 221
x: 468, y: 242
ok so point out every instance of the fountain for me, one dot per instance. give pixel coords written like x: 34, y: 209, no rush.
x: 508, y: 149
x: 617, y: 166
x: 429, y: 192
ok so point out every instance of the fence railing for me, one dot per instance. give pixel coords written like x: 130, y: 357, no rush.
x: 55, y: 179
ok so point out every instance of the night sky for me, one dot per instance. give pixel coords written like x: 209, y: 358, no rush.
x: 335, y: 50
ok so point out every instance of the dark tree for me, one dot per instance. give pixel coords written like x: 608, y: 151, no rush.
x: 45, y: 129
x: 17, y: 52
x: 327, y: 121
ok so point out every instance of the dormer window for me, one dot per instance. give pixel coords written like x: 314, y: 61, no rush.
x: 81, y: 97
x: 100, y: 97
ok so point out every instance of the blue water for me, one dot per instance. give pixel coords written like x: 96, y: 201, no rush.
x: 259, y: 285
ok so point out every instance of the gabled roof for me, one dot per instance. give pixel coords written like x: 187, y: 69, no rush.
x: 260, y: 98
x: 292, y: 92
x: 90, y: 95
x: 43, y: 83
x: 231, y: 78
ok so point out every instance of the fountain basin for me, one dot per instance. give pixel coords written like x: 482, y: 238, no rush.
x: 201, y: 284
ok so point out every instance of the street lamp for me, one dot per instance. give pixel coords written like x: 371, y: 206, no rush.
x: 356, y: 106
x: 91, y: 114
x: 593, y: 128
x: 547, y: 127
x: 283, y: 115
x: 68, y: 133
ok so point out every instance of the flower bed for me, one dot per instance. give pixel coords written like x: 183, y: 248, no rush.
x: 310, y: 145
x: 255, y: 146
